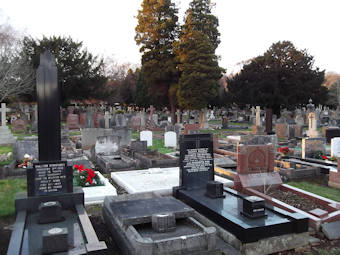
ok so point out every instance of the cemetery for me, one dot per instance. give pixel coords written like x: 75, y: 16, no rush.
x: 173, y: 157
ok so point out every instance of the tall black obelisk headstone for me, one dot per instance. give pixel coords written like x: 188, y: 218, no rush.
x: 48, y: 98
x: 50, y: 175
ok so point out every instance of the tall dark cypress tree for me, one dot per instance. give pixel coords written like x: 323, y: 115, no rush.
x: 156, y: 32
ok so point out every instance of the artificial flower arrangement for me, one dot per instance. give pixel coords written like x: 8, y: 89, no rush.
x: 85, y: 177
x: 27, y: 161
x: 283, y: 150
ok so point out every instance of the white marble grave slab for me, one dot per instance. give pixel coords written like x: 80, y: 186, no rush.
x: 158, y: 180
x: 170, y: 139
x: 96, y: 195
x: 146, y: 136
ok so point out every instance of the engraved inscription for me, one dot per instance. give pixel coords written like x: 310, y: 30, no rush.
x: 197, y: 160
x: 49, y: 178
x: 256, y: 160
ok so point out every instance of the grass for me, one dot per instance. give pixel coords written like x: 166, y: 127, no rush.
x: 327, y: 192
x: 5, y: 150
x: 8, y: 188
x: 73, y: 133
x: 134, y: 135
x: 159, y: 146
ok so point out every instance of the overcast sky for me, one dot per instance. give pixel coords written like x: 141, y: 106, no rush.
x: 247, y: 27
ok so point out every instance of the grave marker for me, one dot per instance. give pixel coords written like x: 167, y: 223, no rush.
x: 3, y: 114
x: 146, y: 136
x: 170, y: 139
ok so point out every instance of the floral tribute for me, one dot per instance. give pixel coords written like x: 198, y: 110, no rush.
x: 27, y: 161
x: 283, y: 150
x: 85, y: 177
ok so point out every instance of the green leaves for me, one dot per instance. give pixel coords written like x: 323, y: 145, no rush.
x: 282, y: 77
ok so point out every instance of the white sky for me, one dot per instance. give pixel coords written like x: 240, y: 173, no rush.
x: 247, y: 27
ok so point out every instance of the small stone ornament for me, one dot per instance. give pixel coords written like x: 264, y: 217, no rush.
x: 50, y: 212
x: 55, y: 240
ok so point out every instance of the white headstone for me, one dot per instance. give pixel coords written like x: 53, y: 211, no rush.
x: 170, y: 139
x: 335, y: 147
x: 107, y: 118
x: 258, y: 116
x: 3, y: 114
x: 146, y: 136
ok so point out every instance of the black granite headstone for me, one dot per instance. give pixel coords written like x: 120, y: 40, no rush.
x: 269, y: 121
x: 47, y: 178
x: 48, y: 109
x: 331, y: 133
x: 196, y: 160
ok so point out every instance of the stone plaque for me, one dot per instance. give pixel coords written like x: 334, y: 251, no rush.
x: 48, y: 178
x: 255, y: 158
x: 196, y: 160
x: 72, y: 121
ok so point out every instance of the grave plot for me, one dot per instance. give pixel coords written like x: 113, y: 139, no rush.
x: 147, y: 224
x: 50, y: 217
x: 248, y: 218
x: 256, y: 176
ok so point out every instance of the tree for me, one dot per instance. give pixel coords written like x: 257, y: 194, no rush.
x: 200, y: 72
x: 202, y: 20
x: 282, y: 77
x: 156, y: 31
x: 334, y: 94
x: 80, y: 74
x: 198, y: 65
x: 16, y: 73
x: 141, y: 96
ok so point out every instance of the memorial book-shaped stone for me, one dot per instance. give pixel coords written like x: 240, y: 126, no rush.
x: 49, y: 177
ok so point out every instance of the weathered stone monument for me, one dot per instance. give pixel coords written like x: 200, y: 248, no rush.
x: 47, y: 214
x: 6, y: 136
x: 258, y: 129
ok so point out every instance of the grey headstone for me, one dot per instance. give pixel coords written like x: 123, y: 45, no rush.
x: 331, y: 230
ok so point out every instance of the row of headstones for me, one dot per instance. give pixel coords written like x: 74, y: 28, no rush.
x: 170, y: 138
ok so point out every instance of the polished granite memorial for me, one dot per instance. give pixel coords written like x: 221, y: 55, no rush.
x: 50, y: 217
x: 249, y: 218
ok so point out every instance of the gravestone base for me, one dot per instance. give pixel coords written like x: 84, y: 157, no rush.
x: 6, y: 136
x: 257, y: 181
x: 27, y: 233
x: 129, y: 218
x: 258, y: 130
x: 334, y: 179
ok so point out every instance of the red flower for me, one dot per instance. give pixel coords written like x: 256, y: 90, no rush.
x: 90, y: 175
x: 324, y: 157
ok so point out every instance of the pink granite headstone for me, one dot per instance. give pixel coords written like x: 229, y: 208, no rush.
x: 191, y: 128
x: 72, y: 121
x: 82, y: 119
x: 19, y: 125
x: 255, y: 168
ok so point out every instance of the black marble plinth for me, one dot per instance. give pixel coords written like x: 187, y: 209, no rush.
x: 55, y: 240
x: 253, y: 207
x: 50, y: 212
x: 214, y: 189
x: 226, y: 212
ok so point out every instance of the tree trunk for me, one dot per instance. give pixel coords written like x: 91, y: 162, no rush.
x: 173, y: 109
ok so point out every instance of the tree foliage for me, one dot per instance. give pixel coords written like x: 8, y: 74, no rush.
x: 156, y: 31
x: 16, y: 73
x: 80, y: 74
x: 282, y: 77
x: 203, y: 20
x: 142, y: 96
x: 198, y: 65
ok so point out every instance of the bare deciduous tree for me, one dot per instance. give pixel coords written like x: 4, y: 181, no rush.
x: 16, y: 74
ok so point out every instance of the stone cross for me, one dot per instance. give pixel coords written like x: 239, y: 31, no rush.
x: 258, y: 116
x: 107, y: 118
x: 3, y: 114
x: 151, y: 112
x: 312, y: 121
